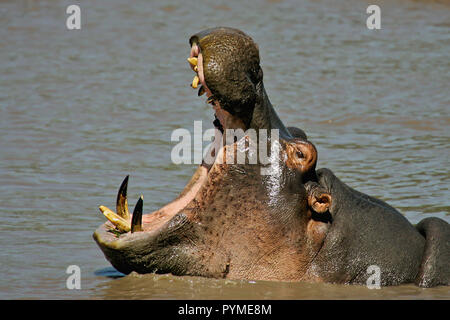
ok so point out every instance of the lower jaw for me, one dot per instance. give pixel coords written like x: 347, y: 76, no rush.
x: 156, y: 221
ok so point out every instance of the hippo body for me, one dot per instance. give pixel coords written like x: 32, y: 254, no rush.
x: 283, y: 220
x: 366, y: 231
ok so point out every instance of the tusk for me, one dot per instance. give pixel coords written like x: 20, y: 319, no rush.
x: 195, y: 82
x: 122, y: 203
x: 119, y: 222
x: 136, y: 222
x: 193, y: 61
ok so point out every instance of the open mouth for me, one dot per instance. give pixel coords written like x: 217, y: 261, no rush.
x: 121, y: 224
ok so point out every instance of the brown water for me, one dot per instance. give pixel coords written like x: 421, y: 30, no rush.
x: 81, y: 109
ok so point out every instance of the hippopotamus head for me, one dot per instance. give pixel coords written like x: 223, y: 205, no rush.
x: 255, y: 219
x: 245, y: 215
x: 229, y: 70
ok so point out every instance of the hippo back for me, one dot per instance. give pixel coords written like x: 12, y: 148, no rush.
x: 366, y: 232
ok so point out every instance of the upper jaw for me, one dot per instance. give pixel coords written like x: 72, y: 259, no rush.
x: 223, y: 119
x: 228, y: 69
x: 226, y: 62
x: 196, y: 62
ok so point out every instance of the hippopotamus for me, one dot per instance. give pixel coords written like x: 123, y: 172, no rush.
x: 283, y: 221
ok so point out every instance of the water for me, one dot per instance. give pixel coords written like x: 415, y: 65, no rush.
x: 79, y: 110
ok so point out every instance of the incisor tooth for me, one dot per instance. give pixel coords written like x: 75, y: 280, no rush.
x: 119, y: 222
x: 195, y: 82
x: 193, y: 61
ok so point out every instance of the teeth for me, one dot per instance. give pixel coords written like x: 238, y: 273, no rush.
x: 119, y: 222
x: 210, y: 100
x: 122, y: 203
x: 201, y: 91
x: 195, y: 82
x: 193, y: 61
x: 136, y: 222
x: 121, y: 219
x: 196, y: 68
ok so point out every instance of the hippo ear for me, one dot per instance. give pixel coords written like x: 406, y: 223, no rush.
x: 318, y: 199
x: 302, y: 155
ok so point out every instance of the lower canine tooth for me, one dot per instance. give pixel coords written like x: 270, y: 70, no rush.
x: 136, y: 221
x: 195, y: 82
x: 115, y: 219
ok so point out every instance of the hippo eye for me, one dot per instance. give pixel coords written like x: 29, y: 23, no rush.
x: 300, y: 155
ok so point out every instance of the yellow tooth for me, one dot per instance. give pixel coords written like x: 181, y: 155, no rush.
x: 195, y: 82
x: 115, y: 219
x: 196, y: 68
x: 193, y: 61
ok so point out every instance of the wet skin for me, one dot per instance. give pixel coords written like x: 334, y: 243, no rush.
x: 293, y: 223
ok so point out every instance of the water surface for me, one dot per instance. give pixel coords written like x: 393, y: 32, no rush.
x: 79, y: 110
